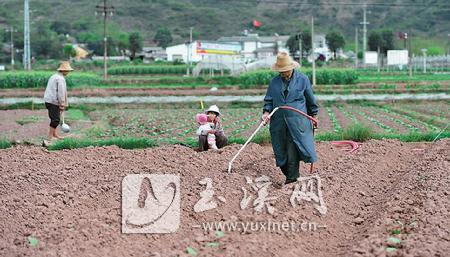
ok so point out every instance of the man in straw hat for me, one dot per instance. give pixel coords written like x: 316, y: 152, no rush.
x: 55, y: 98
x: 291, y: 133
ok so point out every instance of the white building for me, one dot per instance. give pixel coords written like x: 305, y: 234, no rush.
x: 321, y: 47
x: 256, y: 47
x: 152, y: 53
x: 183, y: 52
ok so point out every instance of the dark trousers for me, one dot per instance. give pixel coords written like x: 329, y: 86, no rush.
x: 291, y: 168
x: 221, y: 141
x: 54, y: 114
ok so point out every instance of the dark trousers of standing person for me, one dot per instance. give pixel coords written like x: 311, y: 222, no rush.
x: 291, y: 168
x: 221, y: 141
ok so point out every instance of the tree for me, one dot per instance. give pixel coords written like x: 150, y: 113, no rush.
x: 46, y: 43
x: 61, y: 27
x: 69, y: 51
x: 384, y: 39
x: 135, y: 41
x: 335, y: 40
x: 163, y: 37
x: 293, y: 40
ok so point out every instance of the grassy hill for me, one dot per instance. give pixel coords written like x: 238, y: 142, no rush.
x: 214, y: 18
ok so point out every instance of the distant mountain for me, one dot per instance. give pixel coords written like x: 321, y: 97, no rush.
x: 214, y: 18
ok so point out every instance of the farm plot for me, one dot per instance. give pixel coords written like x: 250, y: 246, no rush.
x: 172, y: 125
x: 177, y: 125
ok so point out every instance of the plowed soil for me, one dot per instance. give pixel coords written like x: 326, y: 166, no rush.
x: 70, y: 201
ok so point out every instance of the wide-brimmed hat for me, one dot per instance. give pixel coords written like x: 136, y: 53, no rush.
x: 284, y: 63
x: 213, y: 108
x: 64, y: 66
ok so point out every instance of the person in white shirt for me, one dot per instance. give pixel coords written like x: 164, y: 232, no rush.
x: 55, y: 98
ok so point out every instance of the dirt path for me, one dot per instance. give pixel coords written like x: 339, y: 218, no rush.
x: 71, y: 201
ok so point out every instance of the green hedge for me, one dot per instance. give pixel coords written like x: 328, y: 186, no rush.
x: 323, y: 77
x: 147, y: 69
x: 40, y: 79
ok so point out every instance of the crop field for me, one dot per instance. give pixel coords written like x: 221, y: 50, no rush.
x: 67, y: 199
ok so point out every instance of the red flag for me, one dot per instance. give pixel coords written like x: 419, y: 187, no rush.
x: 256, y: 24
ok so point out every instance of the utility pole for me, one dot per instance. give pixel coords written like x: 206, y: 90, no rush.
x: 356, y: 47
x: 12, y: 30
x: 26, y: 36
x: 105, y: 10
x: 410, y: 56
x: 364, y: 23
x: 189, y: 49
x: 313, y: 54
x: 424, y: 51
x: 300, y: 50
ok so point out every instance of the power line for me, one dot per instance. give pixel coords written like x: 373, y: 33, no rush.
x: 105, y: 10
x: 405, y: 5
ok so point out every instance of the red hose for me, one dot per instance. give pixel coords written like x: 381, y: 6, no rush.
x: 355, y: 146
x: 314, y: 120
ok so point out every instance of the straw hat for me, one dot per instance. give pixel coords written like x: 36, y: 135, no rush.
x: 213, y: 108
x: 64, y: 66
x: 284, y: 63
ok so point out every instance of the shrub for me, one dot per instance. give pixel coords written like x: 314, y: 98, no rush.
x: 147, y: 69
x: 323, y: 77
x: 40, y: 79
x: 125, y: 143
x: 357, y: 132
x: 4, y: 143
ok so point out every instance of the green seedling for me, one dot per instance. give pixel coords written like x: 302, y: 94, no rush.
x: 219, y: 234
x: 212, y: 244
x: 390, y: 249
x: 191, y: 251
x: 394, y: 240
x: 32, y: 241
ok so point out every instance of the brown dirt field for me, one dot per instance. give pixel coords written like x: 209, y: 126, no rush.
x: 70, y: 201
x: 324, y: 121
x: 32, y: 132
x: 13, y: 131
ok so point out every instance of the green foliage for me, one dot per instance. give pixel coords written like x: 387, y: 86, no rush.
x: 357, y: 132
x: 256, y: 78
x: 263, y: 137
x: 40, y: 79
x: 147, y: 69
x: 4, y: 143
x: 384, y: 39
x: 135, y: 42
x: 69, y: 51
x: 27, y: 120
x: 335, y: 40
x: 293, y: 41
x: 122, y: 142
x: 323, y: 77
x: 163, y: 37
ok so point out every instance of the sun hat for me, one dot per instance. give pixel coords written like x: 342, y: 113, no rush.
x: 213, y: 108
x: 64, y: 66
x: 201, y: 118
x: 284, y: 63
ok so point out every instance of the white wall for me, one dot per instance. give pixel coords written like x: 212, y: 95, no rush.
x: 182, y: 50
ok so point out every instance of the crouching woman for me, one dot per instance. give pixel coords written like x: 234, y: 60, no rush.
x: 213, y: 113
